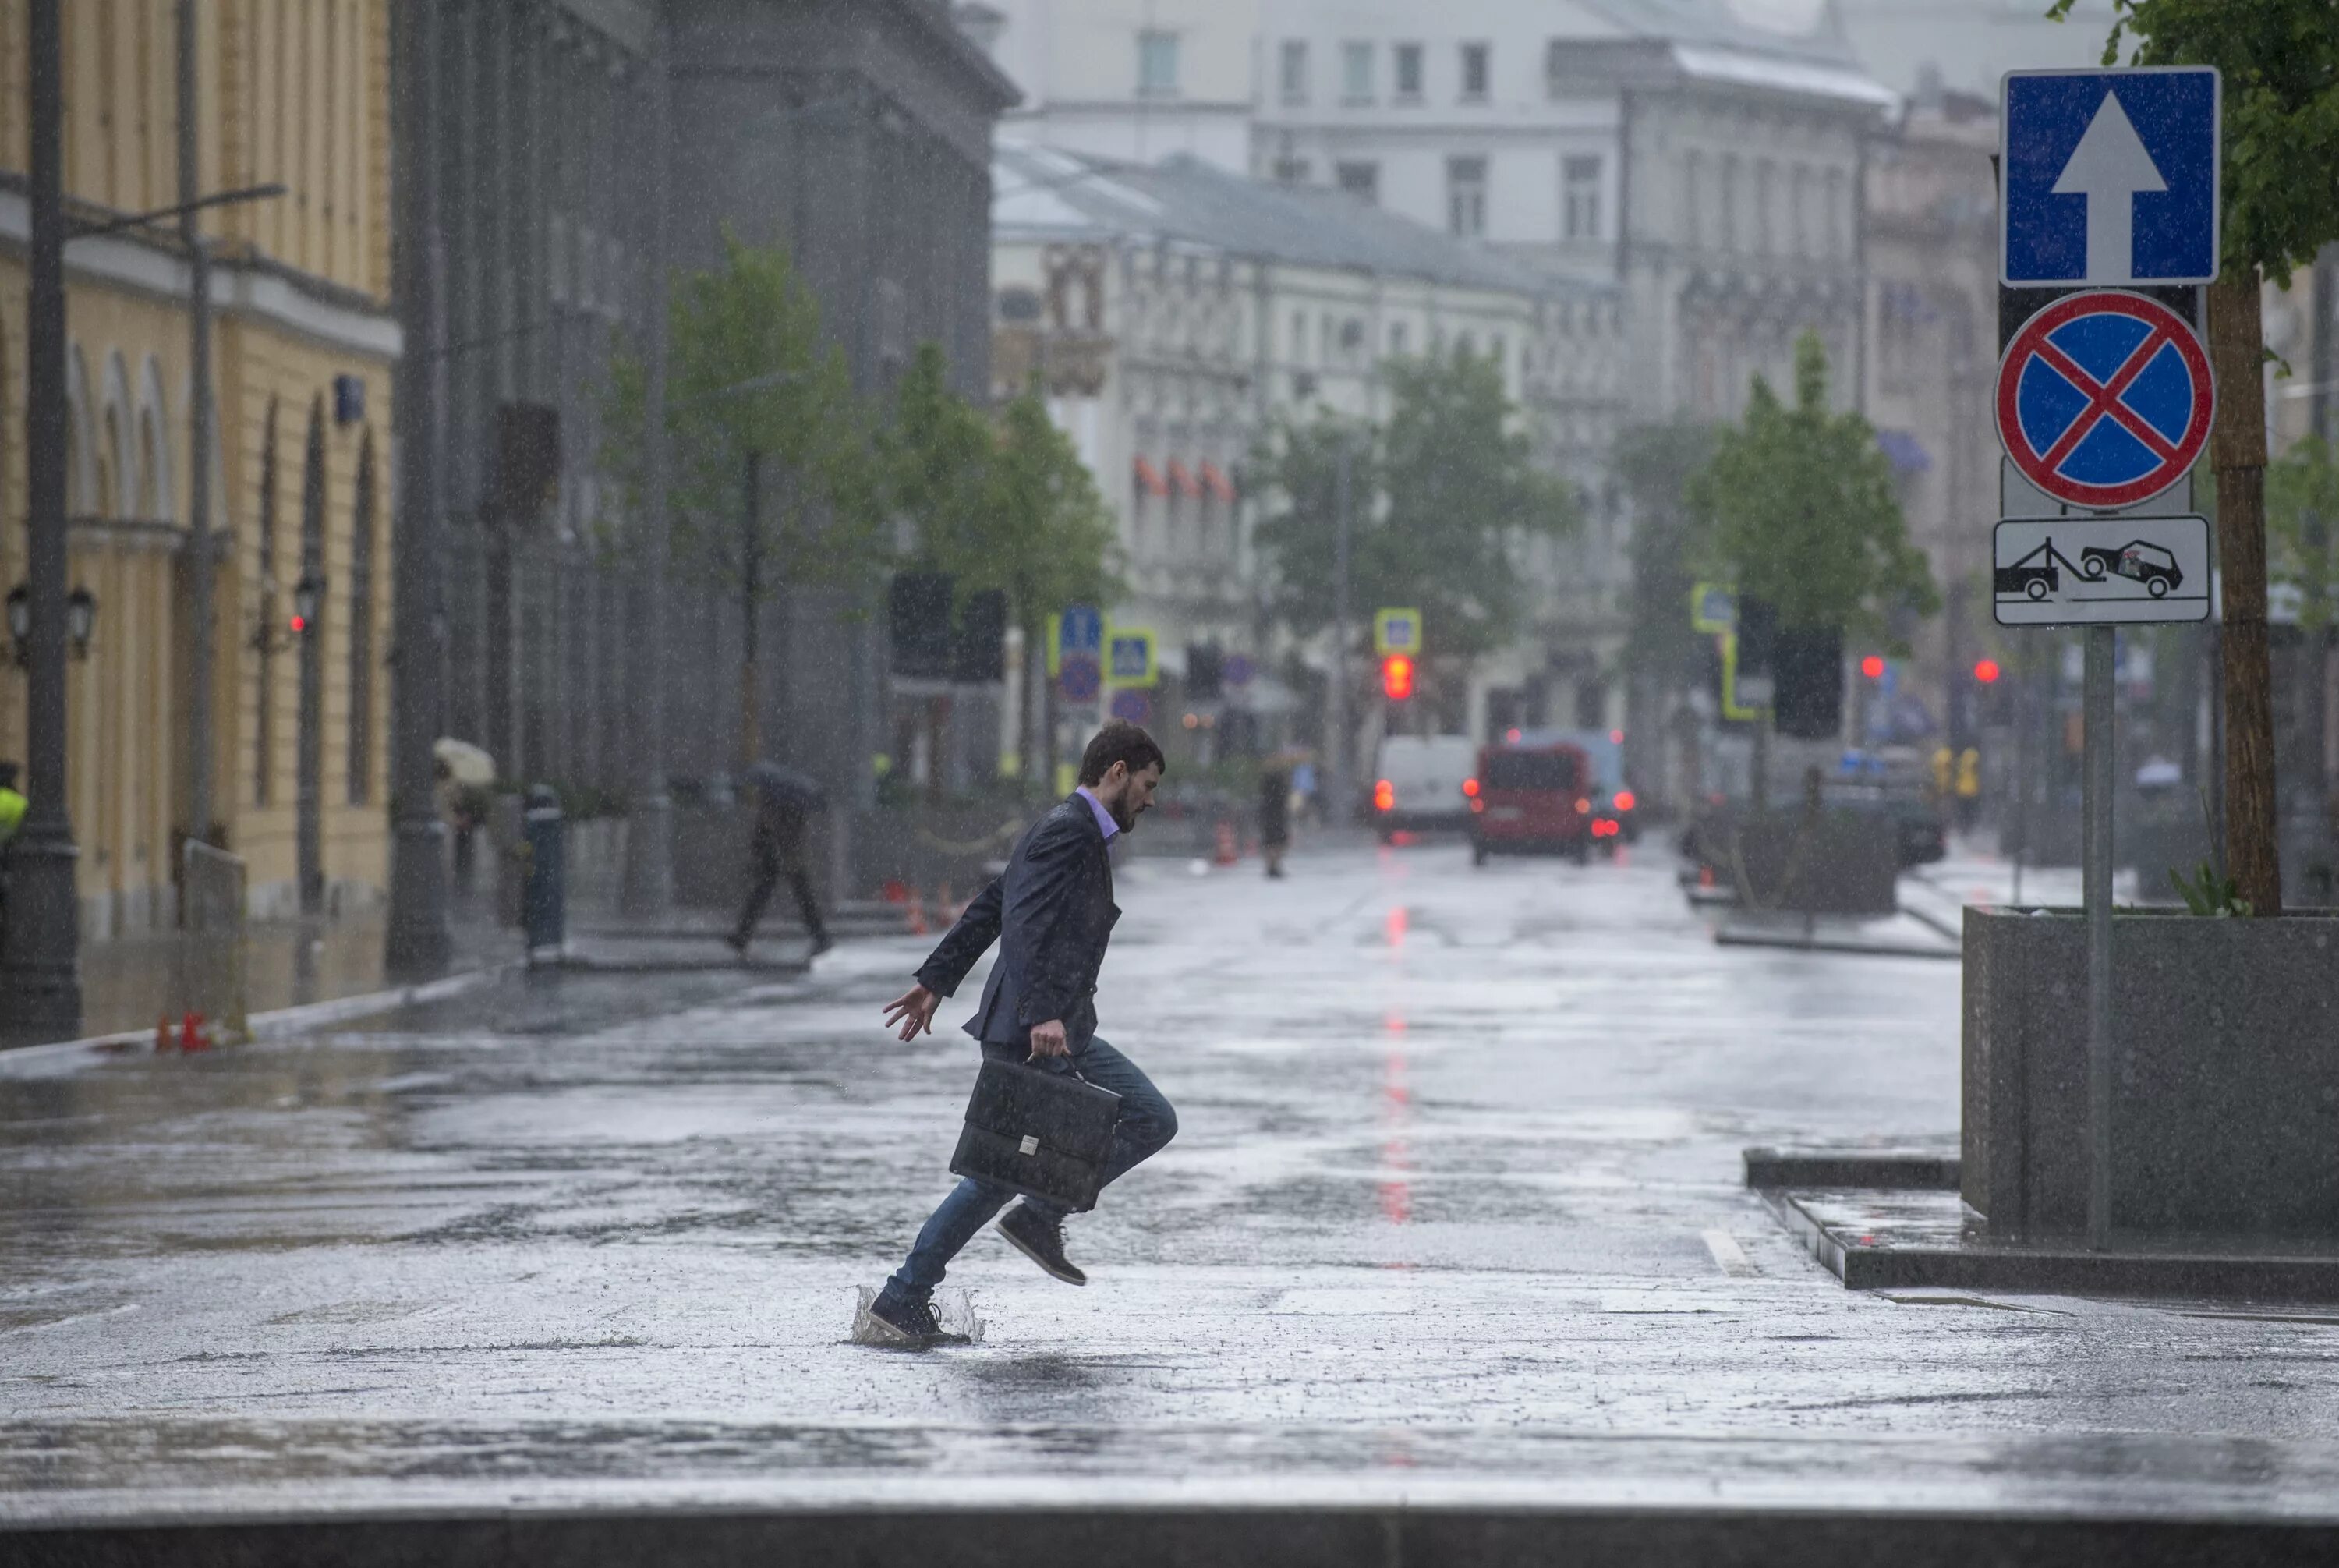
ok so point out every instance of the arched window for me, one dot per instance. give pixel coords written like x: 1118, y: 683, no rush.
x: 362, y: 531
x: 150, y: 466
x: 309, y: 644
x: 109, y: 466
x: 158, y: 497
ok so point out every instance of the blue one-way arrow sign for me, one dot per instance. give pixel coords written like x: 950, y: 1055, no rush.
x: 2110, y: 177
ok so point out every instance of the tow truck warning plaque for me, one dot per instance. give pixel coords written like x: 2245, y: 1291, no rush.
x: 2096, y: 571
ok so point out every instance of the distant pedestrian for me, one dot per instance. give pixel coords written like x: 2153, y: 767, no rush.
x: 13, y: 805
x: 1274, y: 815
x: 1969, y: 788
x: 1051, y: 913
x: 786, y: 801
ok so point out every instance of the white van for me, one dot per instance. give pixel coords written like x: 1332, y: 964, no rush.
x: 1420, y: 782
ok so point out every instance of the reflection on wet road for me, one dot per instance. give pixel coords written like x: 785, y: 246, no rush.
x: 1455, y: 1147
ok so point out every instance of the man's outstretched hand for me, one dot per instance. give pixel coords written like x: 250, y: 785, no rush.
x: 1048, y: 1040
x: 911, y: 1014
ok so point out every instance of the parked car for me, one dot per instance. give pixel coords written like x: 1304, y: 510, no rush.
x: 1531, y: 797
x: 1418, y: 784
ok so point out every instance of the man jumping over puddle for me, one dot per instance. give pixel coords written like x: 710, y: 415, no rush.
x: 1052, y: 913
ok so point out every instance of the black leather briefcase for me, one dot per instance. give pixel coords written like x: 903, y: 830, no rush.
x: 1045, y: 1134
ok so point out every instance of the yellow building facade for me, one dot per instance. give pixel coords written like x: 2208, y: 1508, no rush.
x: 294, y: 92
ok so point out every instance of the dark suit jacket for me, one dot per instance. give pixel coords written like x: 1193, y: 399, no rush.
x: 1052, y: 912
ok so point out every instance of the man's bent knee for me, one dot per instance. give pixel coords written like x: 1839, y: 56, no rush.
x: 1159, y: 1126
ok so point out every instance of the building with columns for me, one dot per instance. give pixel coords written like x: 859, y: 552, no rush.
x: 289, y: 91
x: 1177, y: 311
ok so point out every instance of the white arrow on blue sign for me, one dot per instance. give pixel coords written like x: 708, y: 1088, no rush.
x: 2110, y: 176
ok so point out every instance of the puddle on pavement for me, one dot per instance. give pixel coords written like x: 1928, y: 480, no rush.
x: 953, y: 1310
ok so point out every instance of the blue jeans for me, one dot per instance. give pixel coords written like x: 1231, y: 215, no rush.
x: 1145, y: 1125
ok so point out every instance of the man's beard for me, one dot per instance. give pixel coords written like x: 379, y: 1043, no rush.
x: 1123, y: 817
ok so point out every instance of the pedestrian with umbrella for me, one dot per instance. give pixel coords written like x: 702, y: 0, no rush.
x: 786, y: 801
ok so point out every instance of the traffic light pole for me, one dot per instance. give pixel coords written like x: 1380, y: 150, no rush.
x: 1339, y: 794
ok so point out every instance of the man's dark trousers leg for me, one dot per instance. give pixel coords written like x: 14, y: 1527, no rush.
x: 1146, y: 1124
x: 800, y: 883
x: 759, y: 894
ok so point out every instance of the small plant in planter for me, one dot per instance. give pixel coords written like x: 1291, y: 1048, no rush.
x: 2210, y: 894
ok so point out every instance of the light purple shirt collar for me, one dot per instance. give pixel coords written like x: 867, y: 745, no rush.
x: 1105, y: 824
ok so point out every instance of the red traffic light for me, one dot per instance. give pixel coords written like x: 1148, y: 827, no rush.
x: 300, y: 622
x: 1396, y: 677
x: 1872, y: 666
x: 1986, y: 671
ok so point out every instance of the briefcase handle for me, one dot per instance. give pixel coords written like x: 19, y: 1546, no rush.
x: 1070, y: 1066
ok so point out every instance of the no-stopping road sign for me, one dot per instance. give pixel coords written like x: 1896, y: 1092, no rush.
x: 2105, y: 399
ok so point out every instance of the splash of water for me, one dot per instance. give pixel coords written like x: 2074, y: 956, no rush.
x: 953, y: 1310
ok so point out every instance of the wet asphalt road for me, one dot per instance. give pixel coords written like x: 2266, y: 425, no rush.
x: 1455, y: 1213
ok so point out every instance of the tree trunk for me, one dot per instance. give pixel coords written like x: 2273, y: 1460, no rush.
x: 1031, y: 716
x: 2239, y: 456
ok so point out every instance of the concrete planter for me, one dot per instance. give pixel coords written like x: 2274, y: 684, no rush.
x: 1837, y: 863
x: 2226, y: 1081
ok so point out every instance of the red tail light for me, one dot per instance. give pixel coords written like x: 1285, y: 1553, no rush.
x: 1623, y: 800
x: 1582, y: 806
x: 1383, y: 796
x: 1470, y: 788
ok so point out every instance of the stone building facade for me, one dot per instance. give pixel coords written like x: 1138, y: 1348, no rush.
x: 1181, y: 310
x: 290, y: 91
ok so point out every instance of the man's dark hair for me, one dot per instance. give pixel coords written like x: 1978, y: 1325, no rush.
x: 1119, y: 741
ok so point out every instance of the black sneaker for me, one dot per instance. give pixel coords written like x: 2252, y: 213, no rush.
x: 916, y: 1324
x: 821, y: 943
x: 736, y: 944
x: 1041, y: 1240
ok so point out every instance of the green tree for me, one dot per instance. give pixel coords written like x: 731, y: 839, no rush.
x: 1802, y: 514
x: 1658, y: 465
x: 2280, y: 63
x: 769, y: 449
x: 933, y: 467
x: 1443, y: 497
x: 1001, y: 505
x: 2302, y: 510
x: 1054, y: 545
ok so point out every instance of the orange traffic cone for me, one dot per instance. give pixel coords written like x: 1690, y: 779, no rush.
x: 162, y: 1033
x: 190, y: 1033
x: 917, y: 913
x: 1227, y: 854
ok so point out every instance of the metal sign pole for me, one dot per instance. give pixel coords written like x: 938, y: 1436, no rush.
x: 2097, y: 835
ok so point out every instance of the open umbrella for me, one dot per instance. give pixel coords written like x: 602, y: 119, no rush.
x: 786, y: 787
x: 465, y: 763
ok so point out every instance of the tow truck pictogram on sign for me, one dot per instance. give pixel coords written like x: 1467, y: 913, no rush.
x: 2080, y: 571
x: 2105, y: 399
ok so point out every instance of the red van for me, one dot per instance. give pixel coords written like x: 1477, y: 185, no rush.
x: 1531, y: 797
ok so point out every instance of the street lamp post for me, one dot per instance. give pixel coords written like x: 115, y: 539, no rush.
x: 40, y: 942
x: 648, y: 890
x: 200, y: 744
